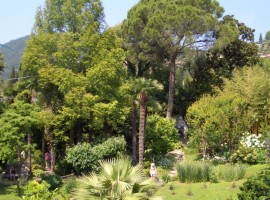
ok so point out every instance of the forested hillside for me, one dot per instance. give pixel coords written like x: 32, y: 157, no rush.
x: 12, y: 55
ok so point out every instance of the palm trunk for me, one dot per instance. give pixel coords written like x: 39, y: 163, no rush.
x: 171, y: 86
x: 29, y: 141
x: 134, y: 133
x: 49, y: 133
x: 19, y: 155
x: 43, y: 143
x: 142, y: 128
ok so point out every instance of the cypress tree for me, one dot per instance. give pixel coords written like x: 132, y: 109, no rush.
x: 260, y: 39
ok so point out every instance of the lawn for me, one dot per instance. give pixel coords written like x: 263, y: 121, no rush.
x: 9, y: 193
x: 200, y: 191
x: 204, y: 191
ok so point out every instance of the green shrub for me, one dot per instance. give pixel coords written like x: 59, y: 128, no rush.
x: 161, y: 136
x: 256, y: 188
x: 67, y: 188
x: 54, y: 180
x: 69, y: 185
x: 63, y: 168
x: 193, y: 171
x: 229, y: 173
x: 234, y: 172
x: 37, y: 170
x: 166, y: 162
x: 214, y: 178
x: 245, y: 154
x: 85, y: 158
x: 166, y: 178
x: 37, y: 191
x: 240, y: 171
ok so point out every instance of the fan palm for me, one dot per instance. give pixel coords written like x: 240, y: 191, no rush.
x: 117, y: 180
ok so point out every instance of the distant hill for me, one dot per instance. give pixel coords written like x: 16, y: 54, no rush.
x: 13, y: 55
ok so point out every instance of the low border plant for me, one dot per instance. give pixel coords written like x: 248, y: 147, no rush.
x: 192, y: 172
x: 234, y: 172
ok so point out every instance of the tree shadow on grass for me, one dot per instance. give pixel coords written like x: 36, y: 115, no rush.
x: 8, y: 190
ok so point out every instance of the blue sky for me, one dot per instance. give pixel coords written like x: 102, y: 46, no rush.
x: 17, y: 16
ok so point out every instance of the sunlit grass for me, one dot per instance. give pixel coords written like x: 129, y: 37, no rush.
x: 200, y: 191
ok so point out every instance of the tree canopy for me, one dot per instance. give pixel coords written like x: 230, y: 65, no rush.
x: 162, y: 30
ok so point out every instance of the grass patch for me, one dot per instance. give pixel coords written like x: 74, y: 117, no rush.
x: 223, y: 190
x: 191, y: 155
x: 9, y: 193
x: 201, y: 191
x: 255, y: 169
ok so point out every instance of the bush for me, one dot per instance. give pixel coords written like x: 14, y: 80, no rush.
x: 256, y: 187
x: 69, y: 185
x: 251, y: 150
x: 161, y: 137
x: 63, y: 168
x: 234, y: 172
x: 53, y: 180
x: 85, y: 158
x: 229, y: 173
x: 240, y: 171
x: 36, y: 191
x: 193, y: 171
x: 166, y: 162
x: 37, y: 170
x: 166, y: 177
x: 245, y: 154
x: 66, y: 190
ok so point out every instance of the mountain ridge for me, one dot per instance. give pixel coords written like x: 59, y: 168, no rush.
x: 12, y: 55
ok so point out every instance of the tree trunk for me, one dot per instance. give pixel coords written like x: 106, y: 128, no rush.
x: 90, y: 135
x: 49, y: 133
x: 29, y: 141
x: 19, y: 155
x: 171, y: 86
x: 71, y: 136
x: 106, y: 129
x: 79, y: 132
x: 142, y: 127
x: 43, y: 143
x: 134, y: 133
x: 52, y: 151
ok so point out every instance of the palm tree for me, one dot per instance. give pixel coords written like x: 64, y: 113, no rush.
x: 144, y: 88
x: 117, y: 180
x: 139, y: 92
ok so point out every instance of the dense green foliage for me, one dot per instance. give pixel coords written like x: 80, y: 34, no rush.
x: 218, y: 122
x: 18, y: 121
x: 155, y: 39
x: 267, y: 35
x: 37, y: 191
x: 161, y: 135
x: 53, y: 180
x: 118, y: 179
x: 84, y: 84
x: 85, y: 157
x: 256, y: 188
